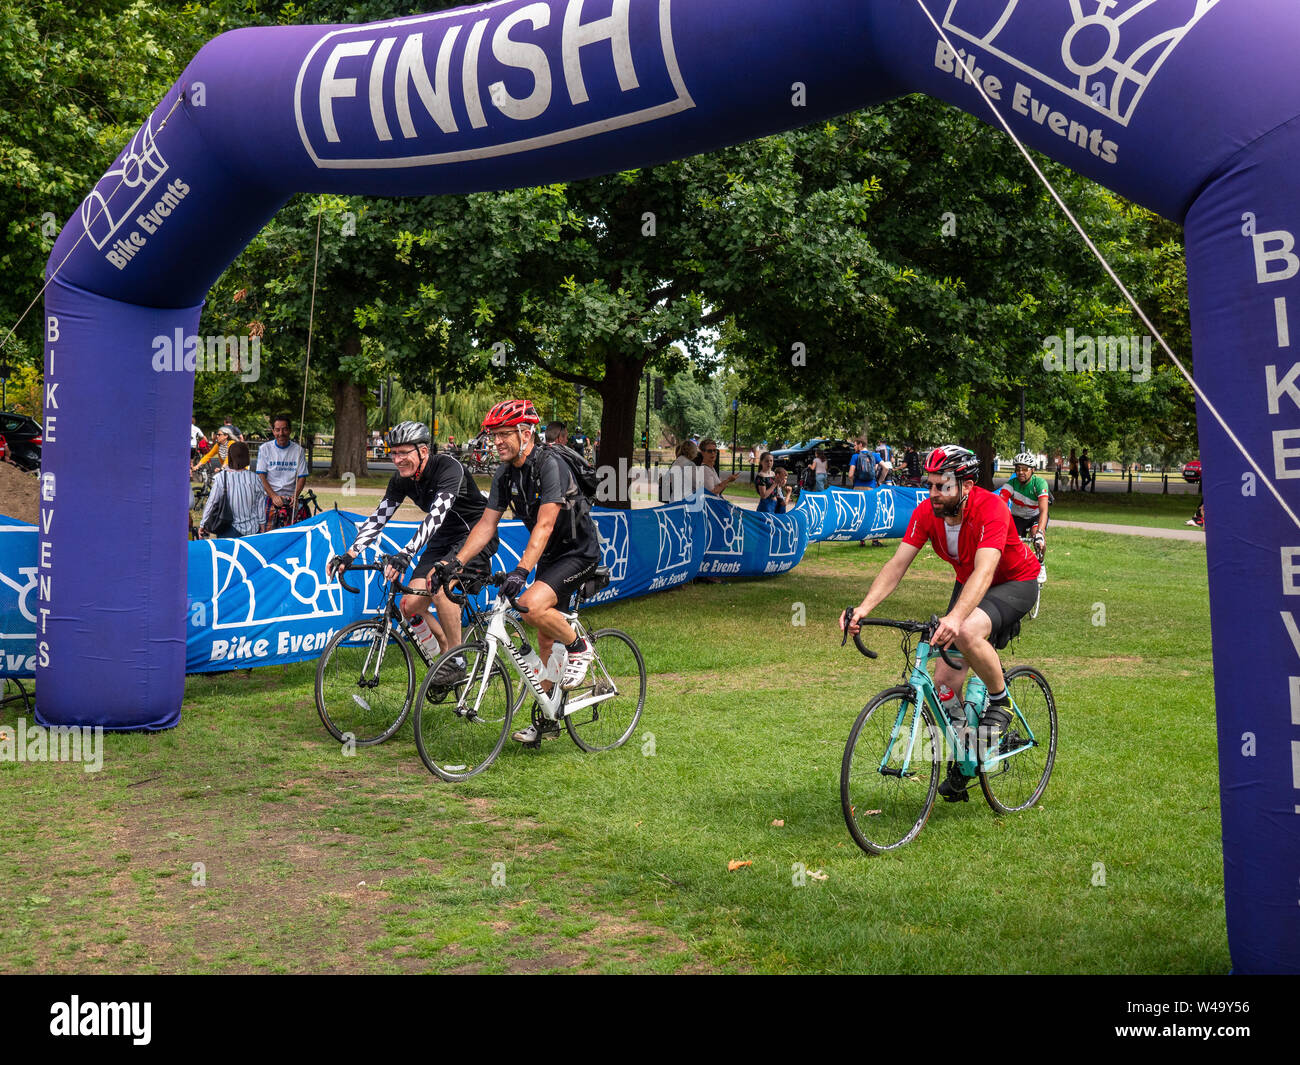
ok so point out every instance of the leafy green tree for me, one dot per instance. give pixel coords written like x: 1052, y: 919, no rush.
x: 76, y: 81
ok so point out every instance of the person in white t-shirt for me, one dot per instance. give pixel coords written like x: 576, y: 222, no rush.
x: 282, y: 466
x: 681, y: 475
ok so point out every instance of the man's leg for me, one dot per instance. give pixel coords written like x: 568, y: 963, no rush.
x: 415, y: 608
x: 446, y: 627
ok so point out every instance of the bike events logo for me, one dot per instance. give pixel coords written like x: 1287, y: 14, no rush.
x: 884, y: 517
x: 250, y: 590
x: 850, y: 514
x: 1084, y: 353
x: 122, y: 195
x: 1109, y: 54
x: 235, y: 354
x: 18, y: 600
x: 783, y: 536
x: 499, y: 80
x: 614, y: 544
x: 815, y: 504
x: 62, y: 743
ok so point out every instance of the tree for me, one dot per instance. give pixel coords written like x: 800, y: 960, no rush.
x: 76, y: 81
x: 926, y: 313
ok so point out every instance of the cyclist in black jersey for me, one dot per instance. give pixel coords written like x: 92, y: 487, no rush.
x: 442, y: 487
x: 564, y: 544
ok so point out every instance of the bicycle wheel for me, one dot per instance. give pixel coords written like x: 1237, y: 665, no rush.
x: 364, y: 683
x: 883, y: 807
x: 617, y: 677
x: 1017, y: 782
x: 463, y: 733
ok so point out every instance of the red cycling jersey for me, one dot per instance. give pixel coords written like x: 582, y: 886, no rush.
x: 986, y: 522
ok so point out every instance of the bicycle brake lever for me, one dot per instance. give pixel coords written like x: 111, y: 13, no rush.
x: 846, y: 617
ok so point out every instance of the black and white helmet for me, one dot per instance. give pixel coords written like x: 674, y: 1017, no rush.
x: 1024, y: 459
x: 408, y: 433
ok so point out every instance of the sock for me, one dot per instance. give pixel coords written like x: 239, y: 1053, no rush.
x: 579, y: 644
x: 1000, y: 699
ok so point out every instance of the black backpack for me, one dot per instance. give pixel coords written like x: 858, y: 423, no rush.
x: 581, y: 491
x: 809, y: 478
x: 584, y: 473
x: 866, y: 466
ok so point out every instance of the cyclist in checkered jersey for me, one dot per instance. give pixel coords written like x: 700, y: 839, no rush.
x: 442, y: 487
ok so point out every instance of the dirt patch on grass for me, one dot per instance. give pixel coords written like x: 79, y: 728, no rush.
x: 18, y: 494
x: 193, y: 883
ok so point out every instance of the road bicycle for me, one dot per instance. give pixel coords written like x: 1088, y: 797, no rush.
x: 894, y: 758
x: 366, y: 679
x: 283, y: 516
x: 461, y: 736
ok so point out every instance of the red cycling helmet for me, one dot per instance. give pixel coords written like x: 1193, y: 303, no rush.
x: 511, y: 413
x: 962, y: 463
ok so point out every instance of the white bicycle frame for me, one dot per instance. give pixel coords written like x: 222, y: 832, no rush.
x: 554, y: 705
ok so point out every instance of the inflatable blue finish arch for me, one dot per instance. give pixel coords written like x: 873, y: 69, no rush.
x: 1189, y: 107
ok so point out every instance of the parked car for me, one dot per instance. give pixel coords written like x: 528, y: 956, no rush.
x: 1192, y: 472
x: 23, y: 437
x: 839, y: 456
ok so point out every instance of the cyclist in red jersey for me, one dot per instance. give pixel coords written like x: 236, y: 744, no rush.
x: 997, y: 577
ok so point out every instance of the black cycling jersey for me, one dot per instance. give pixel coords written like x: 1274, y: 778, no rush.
x: 544, y: 478
x: 444, y: 489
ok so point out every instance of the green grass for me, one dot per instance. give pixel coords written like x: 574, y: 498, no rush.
x: 554, y: 860
x: 1122, y: 508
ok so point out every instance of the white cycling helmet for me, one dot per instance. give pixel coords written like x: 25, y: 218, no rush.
x: 1025, y: 459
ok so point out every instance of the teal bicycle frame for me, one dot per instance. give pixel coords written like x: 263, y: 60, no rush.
x: 965, y: 753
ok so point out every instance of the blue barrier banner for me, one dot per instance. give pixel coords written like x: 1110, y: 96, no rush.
x: 17, y: 598
x: 649, y: 550
x: 848, y: 514
x: 744, y: 543
x: 265, y: 599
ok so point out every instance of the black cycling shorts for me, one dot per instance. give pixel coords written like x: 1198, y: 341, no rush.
x: 440, y: 547
x: 1023, y: 525
x: 1005, y: 604
x: 565, y: 574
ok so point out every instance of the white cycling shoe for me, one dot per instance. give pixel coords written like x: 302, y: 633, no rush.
x: 575, y: 668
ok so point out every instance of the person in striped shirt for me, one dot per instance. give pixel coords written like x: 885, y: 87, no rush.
x: 242, y: 487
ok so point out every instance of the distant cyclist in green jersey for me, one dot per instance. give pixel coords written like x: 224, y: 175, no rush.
x: 1027, y: 496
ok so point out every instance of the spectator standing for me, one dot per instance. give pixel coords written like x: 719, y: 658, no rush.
x: 709, y: 480
x: 765, y: 484
x: 682, y: 475
x: 820, y: 470
x: 912, y: 463
x: 231, y: 423
x: 1086, y: 476
x: 238, y: 490
x: 884, y: 462
x: 1074, y: 471
x: 282, y: 466
x: 557, y: 433
x: 198, y: 442
x: 782, y: 492
x: 864, y: 467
